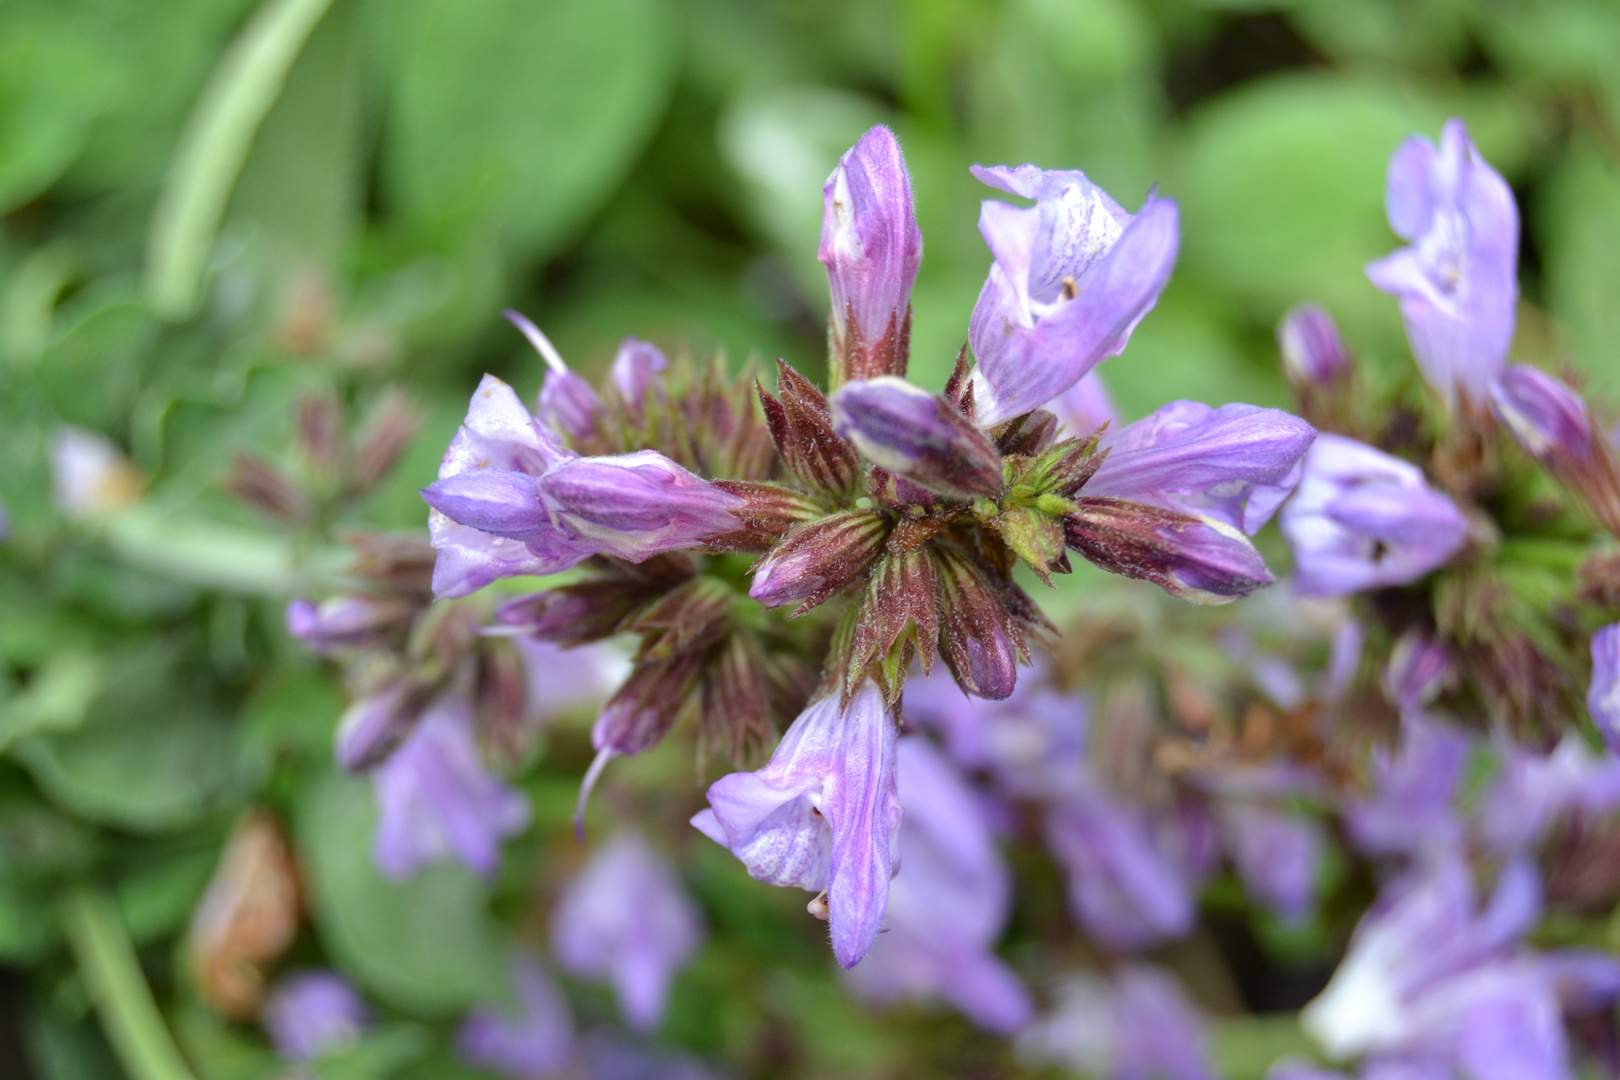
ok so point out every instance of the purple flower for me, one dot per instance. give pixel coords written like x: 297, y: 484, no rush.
x: 90, y: 475
x: 311, y: 1013
x: 435, y: 798
x: 498, y: 434
x: 1137, y: 1025
x: 635, y: 373
x: 1427, y: 976
x: 821, y: 815
x: 626, y: 918
x: 1364, y: 520
x: 871, y: 247
x: 349, y: 621
x: 921, y: 436
x: 1419, y: 668
x: 1235, y: 464
x: 1276, y: 853
x: 1313, y: 354
x: 948, y: 904
x: 374, y: 724
x: 1073, y: 276
x: 1132, y: 873
x: 1603, y: 699
x: 1458, y: 282
x: 1531, y: 792
x: 1084, y: 407
x: 1409, y: 810
x: 637, y: 505
x: 1546, y: 417
x: 567, y: 402
x: 561, y: 679
x: 535, y: 1041
x: 1199, y: 559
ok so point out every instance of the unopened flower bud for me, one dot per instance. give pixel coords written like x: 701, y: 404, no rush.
x: 375, y: 723
x: 767, y: 512
x: 267, y: 489
x: 801, y: 427
x: 635, y: 373
x: 1419, y: 668
x: 319, y: 438
x: 392, y: 424
x: 871, y: 246
x: 978, y: 637
x: 921, y: 436
x: 637, y: 505
x: 573, y: 614
x: 567, y: 402
x: 1547, y: 417
x: 1198, y: 559
x: 1313, y: 354
x: 245, y: 920
x: 818, y: 559
x: 348, y: 621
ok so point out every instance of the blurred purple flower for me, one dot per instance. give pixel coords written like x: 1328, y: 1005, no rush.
x: 562, y: 679
x: 609, y: 1059
x: 947, y: 906
x: 1531, y: 792
x: 1132, y: 872
x: 1073, y: 275
x: 1458, y: 282
x: 871, y: 246
x: 1313, y: 354
x: 1419, y: 668
x: 1235, y: 464
x: 1277, y: 854
x: 375, y: 723
x: 1137, y: 1025
x: 1409, y: 810
x: 1084, y: 407
x: 626, y: 919
x: 1548, y: 418
x: 1427, y: 976
x: 821, y: 815
x: 351, y: 620
x: 636, y: 368
x: 436, y: 800
x: 309, y: 1014
x: 90, y: 475
x: 1364, y: 520
x: 1603, y: 698
x: 537, y: 1040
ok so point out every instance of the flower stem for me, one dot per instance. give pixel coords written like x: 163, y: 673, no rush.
x: 106, y: 959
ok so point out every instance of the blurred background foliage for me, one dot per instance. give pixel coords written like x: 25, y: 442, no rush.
x: 208, y: 207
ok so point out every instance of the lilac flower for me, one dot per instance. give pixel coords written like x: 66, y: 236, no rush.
x: 350, y: 620
x: 948, y: 905
x: 1409, y: 810
x: 921, y: 436
x: 871, y: 246
x: 1276, y: 853
x: 1364, y: 520
x: 1419, y: 668
x: 1073, y: 276
x: 567, y: 402
x: 435, y: 799
x: 1531, y: 792
x: 1603, y: 699
x: 1428, y: 976
x: 499, y: 435
x: 626, y: 918
x: 536, y: 1041
x: 821, y: 815
x: 374, y: 724
x: 1313, y: 354
x: 1137, y: 1025
x: 1546, y: 417
x: 1458, y: 282
x: 637, y: 505
x: 1084, y: 407
x: 635, y: 372
x: 90, y: 476
x: 311, y: 1013
x: 1235, y: 464
x: 1132, y: 873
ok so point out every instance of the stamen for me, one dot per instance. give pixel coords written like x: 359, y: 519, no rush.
x: 592, y: 775
x: 541, y: 343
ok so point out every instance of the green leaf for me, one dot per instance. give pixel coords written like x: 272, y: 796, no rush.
x: 1246, y: 1046
x: 517, y: 119
x: 426, y: 945
x: 92, y: 370
x: 379, y: 1056
x: 56, y: 698
x: 214, y: 146
x: 51, y: 87
x: 1581, y: 211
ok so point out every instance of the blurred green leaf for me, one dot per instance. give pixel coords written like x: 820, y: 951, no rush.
x: 51, y: 86
x: 92, y: 369
x: 1246, y: 1046
x: 56, y: 698
x: 379, y: 1055
x: 1582, y: 260
x: 158, y: 896
x: 511, y: 122
x: 426, y: 945
x: 214, y: 146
